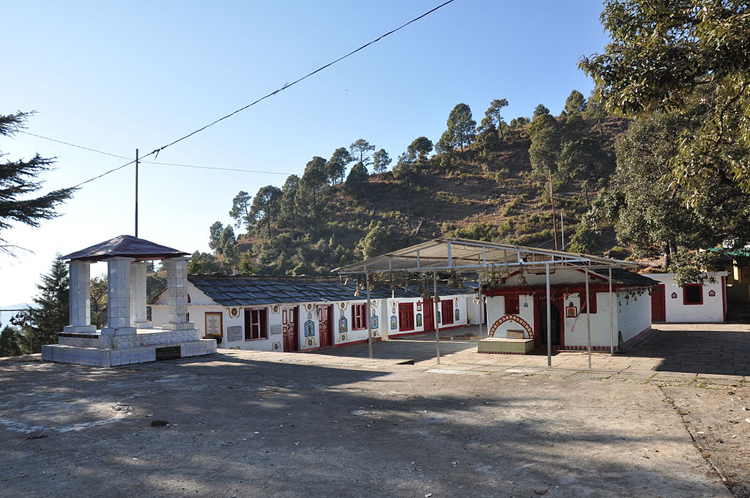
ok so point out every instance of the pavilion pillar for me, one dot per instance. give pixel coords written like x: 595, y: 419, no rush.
x: 118, y: 293
x: 176, y: 293
x: 138, y: 272
x: 79, y: 304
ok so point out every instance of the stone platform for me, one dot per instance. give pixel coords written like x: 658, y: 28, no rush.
x: 507, y: 346
x: 144, y: 345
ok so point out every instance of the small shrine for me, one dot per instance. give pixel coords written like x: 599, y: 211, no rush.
x: 128, y: 337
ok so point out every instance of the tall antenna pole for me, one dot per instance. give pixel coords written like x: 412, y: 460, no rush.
x: 562, y: 230
x: 136, y: 193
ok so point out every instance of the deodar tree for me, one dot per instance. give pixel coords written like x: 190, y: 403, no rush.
x: 18, y: 183
x: 49, y: 314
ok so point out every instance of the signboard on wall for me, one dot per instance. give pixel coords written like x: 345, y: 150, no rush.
x: 214, y: 324
x: 234, y: 333
x: 277, y: 329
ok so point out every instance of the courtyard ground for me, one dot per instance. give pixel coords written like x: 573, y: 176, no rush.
x: 660, y: 421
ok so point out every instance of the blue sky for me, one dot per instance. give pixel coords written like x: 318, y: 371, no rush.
x: 120, y: 76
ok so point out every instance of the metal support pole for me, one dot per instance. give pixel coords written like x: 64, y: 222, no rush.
x: 611, y: 317
x: 369, y: 311
x: 369, y: 326
x: 136, y: 193
x: 549, y: 316
x: 437, y: 315
x: 562, y: 230
x: 588, y: 317
x: 481, y: 302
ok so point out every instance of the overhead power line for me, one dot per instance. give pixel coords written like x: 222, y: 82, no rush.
x: 239, y: 170
x: 156, y: 152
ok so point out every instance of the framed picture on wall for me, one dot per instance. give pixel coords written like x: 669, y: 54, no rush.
x: 571, y: 312
x: 214, y: 324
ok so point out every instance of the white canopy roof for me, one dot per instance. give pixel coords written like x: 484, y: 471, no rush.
x: 463, y: 255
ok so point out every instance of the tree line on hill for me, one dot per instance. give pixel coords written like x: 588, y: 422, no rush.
x: 328, y: 217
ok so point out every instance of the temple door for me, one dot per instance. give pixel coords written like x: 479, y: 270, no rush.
x: 324, y: 325
x: 289, y: 324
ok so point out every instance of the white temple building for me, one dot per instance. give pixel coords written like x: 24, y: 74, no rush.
x: 128, y: 337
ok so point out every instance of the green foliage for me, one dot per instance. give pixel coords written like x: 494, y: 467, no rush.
x: 379, y: 240
x: 540, y: 110
x: 214, y: 237
x: 575, y: 103
x: 18, y: 181
x: 663, y: 57
x: 357, y: 178
x: 336, y: 166
x: 266, y: 205
x: 240, y: 209
x: 478, y: 231
x: 380, y: 161
x: 203, y: 263
x: 419, y: 149
x: 361, y: 150
x: 461, y: 128
x: 49, y: 314
x: 312, y: 186
x: 12, y: 342
x: 99, y: 300
x: 289, y: 200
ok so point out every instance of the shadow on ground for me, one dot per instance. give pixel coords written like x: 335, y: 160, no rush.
x: 722, y: 352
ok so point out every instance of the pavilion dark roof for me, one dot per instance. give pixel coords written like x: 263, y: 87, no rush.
x: 255, y: 291
x: 125, y: 246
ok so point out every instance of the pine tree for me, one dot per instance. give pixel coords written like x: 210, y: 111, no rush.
x: 18, y: 180
x: 50, y: 313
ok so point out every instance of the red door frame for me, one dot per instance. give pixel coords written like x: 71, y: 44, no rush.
x: 659, y: 304
x: 446, y: 309
x: 428, y: 313
x: 405, y: 317
x: 289, y: 323
x: 324, y: 325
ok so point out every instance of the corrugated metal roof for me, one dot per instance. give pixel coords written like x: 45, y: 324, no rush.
x: 255, y: 291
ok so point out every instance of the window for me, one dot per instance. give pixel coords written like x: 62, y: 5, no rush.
x: 592, y: 302
x: 511, y: 305
x: 256, y: 324
x: 359, y: 316
x: 692, y: 294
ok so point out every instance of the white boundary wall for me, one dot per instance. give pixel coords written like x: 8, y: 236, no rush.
x: 712, y: 309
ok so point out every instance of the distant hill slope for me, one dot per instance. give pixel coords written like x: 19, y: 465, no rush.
x: 476, y: 193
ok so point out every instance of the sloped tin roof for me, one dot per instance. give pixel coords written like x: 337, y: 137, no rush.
x: 125, y: 246
x: 255, y: 291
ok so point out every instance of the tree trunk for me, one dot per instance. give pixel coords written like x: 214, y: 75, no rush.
x: 552, y: 202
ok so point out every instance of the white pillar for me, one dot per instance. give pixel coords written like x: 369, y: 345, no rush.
x: 118, y: 293
x: 79, y: 307
x: 138, y: 272
x: 176, y: 293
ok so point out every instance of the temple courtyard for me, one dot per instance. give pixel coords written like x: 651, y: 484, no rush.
x: 670, y: 419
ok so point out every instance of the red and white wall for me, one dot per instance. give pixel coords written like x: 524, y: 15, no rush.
x: 693, y: 303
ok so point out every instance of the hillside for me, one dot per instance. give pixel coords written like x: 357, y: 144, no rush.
x: 487, y: 193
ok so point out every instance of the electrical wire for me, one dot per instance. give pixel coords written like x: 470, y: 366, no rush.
x: 216, y: 168
x: 156, y: 152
